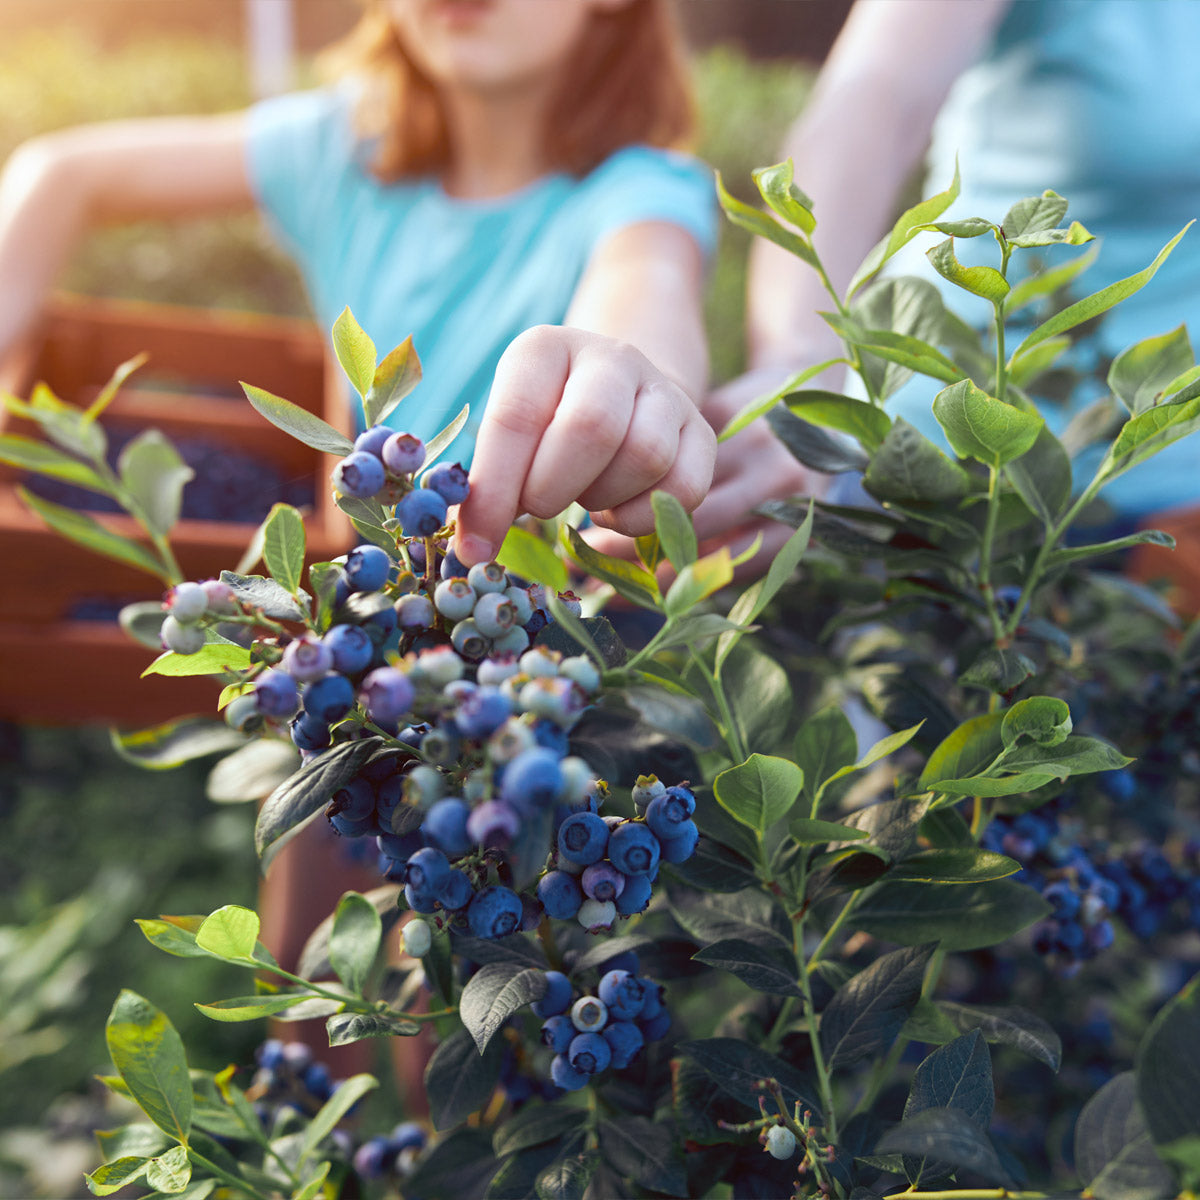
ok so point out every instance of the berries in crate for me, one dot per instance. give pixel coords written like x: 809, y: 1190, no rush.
x: 59, y: 467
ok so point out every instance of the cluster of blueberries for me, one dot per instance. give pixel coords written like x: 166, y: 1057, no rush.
x: 1087, y: 885
x: 588, y: 1034
x: 438, y: 659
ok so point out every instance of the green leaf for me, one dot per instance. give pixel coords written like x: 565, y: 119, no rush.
x: 674, y: 528
x: 815, y: 833
x: 973, y: 916
x: 348, y: 1094
x: 218, y: 656
x: 1072, y: 554
x: 1033, y: 362
x: 440, y: 440
x: 1042, y: 477
x: 459, y: 1079
x: 570, y: 1175
x: 673, y: 713
x: 866, y: 1014
x: 314, y: 1187
x: 1034, y: 214
x: 908, y: 225
x: 62, y: 423
x: 283, y: 546
x: 1140, y: 374
x: 948, y: 1135
x: 534, y: 1124
x: 253, y: 1008
x: 493, y: 994
x: 1073, y: 235
x: 1168, y: 1068
x: 1007, y: 1026
x: 1148, y: 433
x: 905, y: 306
x: 1045, y: 720
x: 355, y: 351
x: 344, y: 1028
x: 698, y: 580
x: 825, y: 745
x: 737, y: 1068
x: 230, y: 933
x: 812, y: 446
x: 982, y: 281
x: 155, y: 474
x: 635, y: 584
x: 1113, y: 1152
x: 763, y: 225
x: 784, y: 197
x: 106, y: 394
x: 759, y: 791
x: 969, y: 750
x: 1047, y: 282
x: 861, y: 420
x: 911, y: 352
x: 113, y: 1176
x: 1092, y: 306
x: 309, y: 790
x: 252, y: 772
x: 29, y: 454
x: 761, y: 962
x: 87, y: 532
x: 761, y: 405
x: 981, y: 427
x: 957, y: 865
x: 149, y: 1056
x: 525, y: 554
x: 170, y: 1172
x: 165, y: 746
x: 393, y: 379
x: 910, y: 467
x: 998, y: 670
x: 1075, y: 756
x: 354, y: 940
x: 267, y: 596
x: 645, y: 1151
x: 301, y: 424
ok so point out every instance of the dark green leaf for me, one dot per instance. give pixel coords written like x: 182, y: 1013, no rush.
x: 535, y: 1124
x: 354, y: 940
x: 1042, y: 477
x: 645, y: 1151
x: 760, y: 791
x: 1073, y: 554
x: 344, y: 1028
x: 812, y: 446
x: 568, y: 1178
x: 314, y: 957
x: 998, y: 670
x: 961, y: 865
x: 267, y: 596
x: 981, y: 427
x: 1140, y: 374
x: 716, y: 868
x: 759, y: 961
x: 678, y: 715
x: 251, y: 772
x: 347, y: 1094
x: 971, y: 917
x: 304, y: 426
x: 1045, y: 720
x: 1114, y: 1155
x: 149, y: 1056
x: 309, y: 790
x: 866, y: 1013
x: 909, y: 467
x: 951, y: 1137
x: 163, y: 747
x: 1008, y: 1026
x: 459, y: 1080
x: 747, y: 913
x: 737, y: 1067
x: 969, y: 750
x: 154, y: 473
x: 914, y: 353
x: 892, y: 826
x: 460, y: 1164
x: 907, y: 306
x: 1168, y: 1068
x: 393, y: 379
x: 814, y: 833
x: 493, y: 994
x: 825, y: 744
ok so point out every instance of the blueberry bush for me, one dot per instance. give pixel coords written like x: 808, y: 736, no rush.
x: 835, y: 885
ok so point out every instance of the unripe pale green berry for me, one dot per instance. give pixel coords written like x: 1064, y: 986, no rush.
x: 182, y: 639
x: 539, y: 662
x: 781, y: 1142
x: 417, y: 938
x: 188, y: 602
x: 424, y: 786
x: 513, y: 641
x: 580, y: 669
x: 595, y: 915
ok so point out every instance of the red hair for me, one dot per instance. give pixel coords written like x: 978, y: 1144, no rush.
x: 626, y: 83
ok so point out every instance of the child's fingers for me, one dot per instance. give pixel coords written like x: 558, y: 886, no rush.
x: 529, y: 381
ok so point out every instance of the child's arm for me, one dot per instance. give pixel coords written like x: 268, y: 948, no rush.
x: 53, y: 188
x: 600, y: 409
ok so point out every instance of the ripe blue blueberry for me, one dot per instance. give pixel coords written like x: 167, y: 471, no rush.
x: 635, y: 896
x: 558, y: 1033
x: 360, y: 475
x: 449, y: 480
x: 403, y: 453
x: 495, y: 912
x: 445, y: 826
x: 370, y: 441
x: 371, y: 1158
x: 456, y: 892
x: 589, y: 1053
x: 352, y: 827
x: 532, y: 780
x: 624, y: 1039
x: 276, y: 693
x: 557, y: 998
x: 623, y: 993
x: 351, y: 647
x: 682, y: 846
x: 601, y: 881
x: 310, y: 733
x: 421, y: 513
x: 367, y: 568
x: 665, y: 814
x: 493, y: 823
x: 418, y: 901
x: 426, y: 871
x: 406, y: 1136
x: 329, y: 698
x: 355, y: 801
x: 565, y: 1075
x: 655, y: 1027
x: 633, y: 849
x: 387, y: 694
x: 560, y: 895
x: 307, y: 658
x: 583, y: 838
x: 482, y: 713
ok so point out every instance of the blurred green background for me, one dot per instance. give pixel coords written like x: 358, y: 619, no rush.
x: 91, y: 842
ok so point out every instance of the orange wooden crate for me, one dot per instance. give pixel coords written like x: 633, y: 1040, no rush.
x: 189, y: 389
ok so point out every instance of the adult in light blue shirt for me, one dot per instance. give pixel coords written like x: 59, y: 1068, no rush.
x: 464, y: 277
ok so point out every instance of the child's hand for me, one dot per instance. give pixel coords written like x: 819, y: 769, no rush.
x: 580, y: 416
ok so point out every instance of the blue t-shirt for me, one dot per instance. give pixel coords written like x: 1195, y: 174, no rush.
x: 1096, y: 99
x: 463, y: 277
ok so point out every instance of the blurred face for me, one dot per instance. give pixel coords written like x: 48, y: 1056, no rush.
x: 491, y: 45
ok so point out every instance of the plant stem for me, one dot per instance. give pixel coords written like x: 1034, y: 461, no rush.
x: 824, y: 1082
x: 825, y: 942
x: 986, y: 547
x: 239, y: 1185
x: 733, y: 738
x: 973, y: 1194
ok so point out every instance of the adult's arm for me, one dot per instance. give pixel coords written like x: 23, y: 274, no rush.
x: 55, y: 187
x: 602, y: 409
